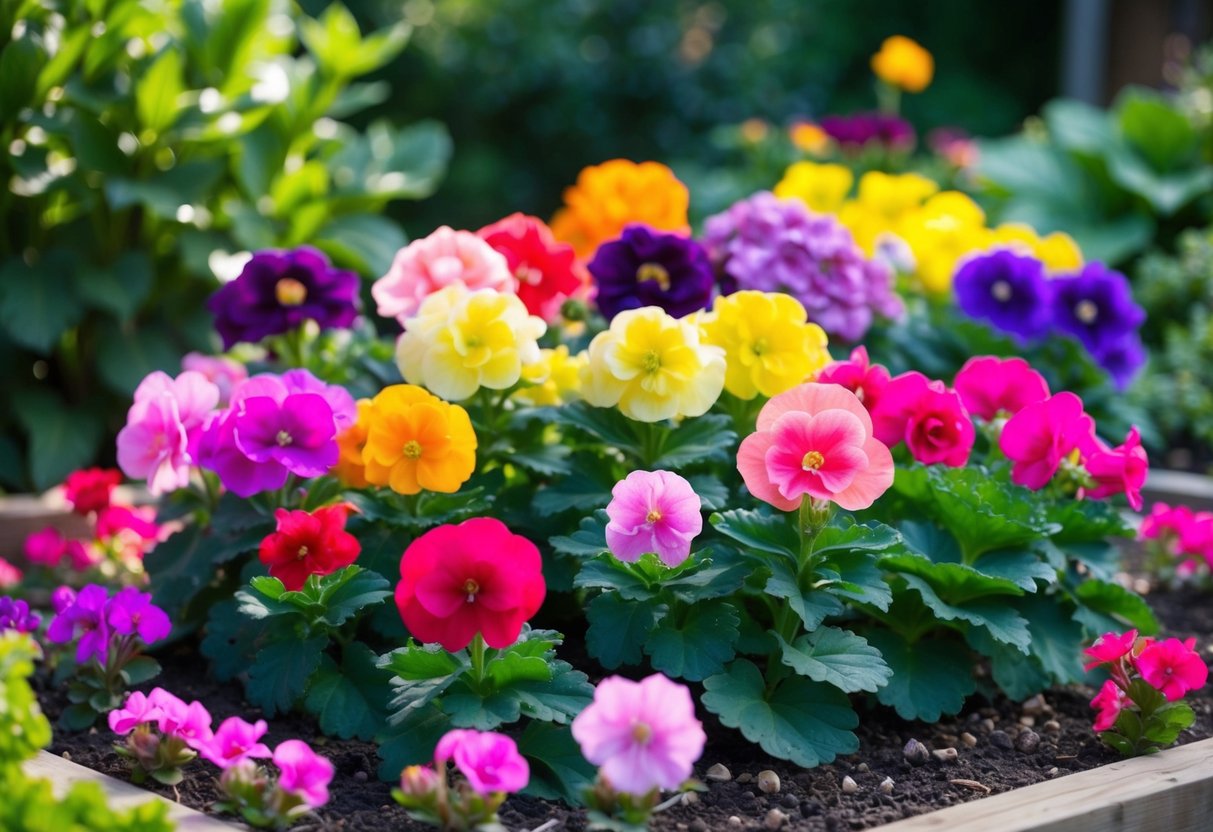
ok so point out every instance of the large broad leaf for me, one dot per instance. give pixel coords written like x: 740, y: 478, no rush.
x: 38, y: 303
x: 1166, y: 192
x: 1079, y: 127
x: 588, y: 541
x: 557, y: 699
x: 993, y: 613
x: 280, y: 673
x: 802, y: 721
x: 837, y: 657
x: 127, y: 354
x: 759, y: 530
x: 158, y: 91
x: 411, y: 741
x: 389, y: 163
x: 231, y: 640
x: 558, y: 769
x: 619, y: 628
x: 21, y: 61
x: 587, y: 491
x: 349, y: 701
x: 812, y: 605
x: 1022, y: 566
x: 1156, y: 128
x: 421, y: 673
x: 62, y: 439
x: 1104, y: 606
x: 119, y: 288
x: 697, y: 644
x: 1022, y: 165
x: 931, y: 677
x: 1057, y: 639
x: 1017, y: 675
x: 708, y: 438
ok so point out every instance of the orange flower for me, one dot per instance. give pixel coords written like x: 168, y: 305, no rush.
x: 609, y: 196
x: 904, y: 64
x: 349, y: 468
x: 417, y: 441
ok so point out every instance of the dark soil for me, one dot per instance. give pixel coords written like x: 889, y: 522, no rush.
x: 1001, y: 745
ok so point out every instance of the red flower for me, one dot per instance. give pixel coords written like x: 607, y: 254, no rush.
x: 89, y: 490
x: 308, y: 544
x: 546, y: 271
x: 476, y: 577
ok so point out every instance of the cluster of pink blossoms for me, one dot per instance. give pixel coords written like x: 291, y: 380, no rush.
x: 1181, y: 533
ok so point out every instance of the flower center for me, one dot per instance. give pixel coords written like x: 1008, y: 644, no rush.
x: 760, y: 346
x: 302, y: 553
x: 1001, y: 290
x: 655, y: 272
x: 529, y: 275
x: 812, y: 461
x: 652, y: 361
x: 653, y: 516
x: 471, y: 588
x: 412, y: 449
x: 283, y: 439
x: 290, y: 292
x: 642, y: 733
x: 1086, y: 311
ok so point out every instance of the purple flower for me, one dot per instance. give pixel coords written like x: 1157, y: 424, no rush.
x: 860, y: 129
x: 15, y: 615
x: 1122, y: 359
x: 1009, y: 290
x: 278, y: 290
x: 85, y: 617
x: 645, y: 267
x: 62, y: 598
x: 778, y: 245
x: 1096, y: 306
x: 132, y: 612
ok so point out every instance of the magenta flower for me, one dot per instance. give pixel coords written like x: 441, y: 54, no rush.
x: 1165, y: 521
x: 1110, y: 701
x: 653, y: 511
x: 236, y: 740
x: 1173, y: 666
x: 46, y: 547
x: 1037, y: 438
x: 1119, y: 470
x: 490, y: 761
x: 928, y: 417
x: 85, y: 617
x: 866, y: 380
x: 9, y: 574
x: 989, y: 386
x: 225, y: 373
x: 132, y: 611
x: 303, y: 772
x: 161, y: 425
x: 1110, y: 648
x: 642, y: 735
x: 62, y: 598
x: 137, y: 710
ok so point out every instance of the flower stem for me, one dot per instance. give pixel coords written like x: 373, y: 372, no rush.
x: 477, y: 651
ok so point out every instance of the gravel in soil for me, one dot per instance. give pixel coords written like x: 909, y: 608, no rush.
x: 999, y: 745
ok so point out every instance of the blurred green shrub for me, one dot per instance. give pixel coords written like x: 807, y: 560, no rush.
x: 148, y: 142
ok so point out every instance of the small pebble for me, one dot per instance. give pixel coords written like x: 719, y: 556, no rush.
x: 360, y: 777
x: 1028, y: 721
x: 1052, y: 772
x: 916, y: 753
x: 988, y: 724
x: 948, y: 739
x: 968, y: 739
x: 1027, y: 741
x: 745, y: 777
x: 863, y: 768
x: 67, y: 755
x: 1053, y: 726
x: 719, y: 773
x: 699, y: 824
x: 945, y: 755
x: 886, y: 785
x: 790, y: 801
x: 774, y: 819
x: 689, y: 798
x: 1035, y: 706
x: 768, y: 781
x: 1001, y: 739
x: 849, y: 786
x: 734, y: 821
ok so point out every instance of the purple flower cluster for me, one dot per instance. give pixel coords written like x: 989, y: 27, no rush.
x: 779, y: 245
x: 278, y: 290
x: 644, y: 267
x: 15, y: 615
x: 97, y: 621
x: 273, y: 427
x: 1095, y: 306
x: 861, y: 129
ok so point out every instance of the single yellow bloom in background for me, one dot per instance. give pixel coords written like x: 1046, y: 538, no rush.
x: 554, y: 379
x: 349, y: 468
x: 823, y: 187
x: 809, y: 137
x: 904, y: 64
x: 417, y: 441
x: 653, y: 367
x: 768, y: 344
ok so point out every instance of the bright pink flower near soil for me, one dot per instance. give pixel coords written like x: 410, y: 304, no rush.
x: 1110, y: 701
x: 1110, y: 648
x: 1173, y: 666
x: 490, y: 761
x: 1039, y: 437
x: 303, y: 772
x: 1119, y: 470
x: 236, y: 740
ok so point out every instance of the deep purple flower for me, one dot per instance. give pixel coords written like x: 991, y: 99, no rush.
x: 860, y: 129
x: 778, y: 245
x: 1096, y: 306
x: 278, y: 290
x: 1122, y: 359
x: 15, y: 615
x: 132, y: 611
x: 645, y: 267
x: 1009, y: 290
x: 86, y: 616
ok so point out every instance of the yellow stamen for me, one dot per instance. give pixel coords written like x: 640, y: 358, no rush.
x: 283, y: 439
x: 654, y: 271
x: 1086, y: 311
x: 652, y: 362
x: 653, y: 516
x: 812, y: 461
x: 412, y: 449
x: 642, y: 733
x: 290, y: 292
x: 471, y: 588
x: 1001, y: 290
x: 302, y: 553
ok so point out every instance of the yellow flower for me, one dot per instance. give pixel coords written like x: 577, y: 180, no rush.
x: 1057, y: 251
x: 350, y: 442
x: 822, y: 187
x: 417, y: 441
x: 904, y: 64
x: 946, y: 228
x: 809, y: 137
x: 769, y: 346
x: 892, y: 196
x: 653, y: 366
x: 462, y: 340
x: 554, y: 379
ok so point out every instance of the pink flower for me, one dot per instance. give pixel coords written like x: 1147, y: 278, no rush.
x: 303, y: 772
x: 1163, y: 520
x: 815, y: 440
x: 642, y: 735
x: 9, y: 574
x: 1110, y: 648
x: 444, y: 258
x: 46, y: 547
x: 191, y: 722
x: 989, y: 386
x: 1110, y: 701
x: 137, y: 710
x: 225, y: 373
x: 1119, y: 470
x: 236, y: 740
x: 928, y: 417
x: 653, y: 511
x: 892, y: 413
x: 867, y: 381
x: 166, y: 417
x: 1173, y: 666
x: 490, y: 761
x: 1037, y: 438
x: 90, y: 489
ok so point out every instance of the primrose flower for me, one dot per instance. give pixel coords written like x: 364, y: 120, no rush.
x: 45, y: 547
x: 948, y: 226
x: 225, y: 373
x: 904, y: 64
x: 1007, y: 289
x: 1121, y: 359
x: 642, y: 735
x: 236, y: 740
x: 89, y: 490
x: 857, y: 374
x: 768, y: 343
x: 475, y: 577
x: 821, y: 186
x: 132, y: 612
x: 928, y: 417
x: 989, y: 386
x: 306, y: 544
x: 62, y: 598
x: 416, y: 441
x: 134, y: 712
x: 84, y: 617
x: 1110, y: 648
x: 427, y: 266
x: 303, y: 773
x: 1110, y: 701
x: 161, y: 427
x: 815, y: 440
x: 1165, y: 521
x: 653, y: 367
x: 857, y: 131
x: 1041, y: 435
x: 1172, y: 666
x: 1119, y: 470
x: 15, y: 615
x: 554, y: 379
x: 1096, y: 306
x: 546, y: 272
x: 653, y: 511
x: 644, y: 267
x: 490, y: 761
x: 809, y: 137
x: 461, y: 341
x: 9, y: 574
x: 608, y: 197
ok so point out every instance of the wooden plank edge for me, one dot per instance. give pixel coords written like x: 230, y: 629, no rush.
x: 1178, y: 487
x: 1171, y: 790
x: 119, y: 794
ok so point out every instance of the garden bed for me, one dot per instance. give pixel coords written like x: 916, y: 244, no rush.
x: 999, y: 755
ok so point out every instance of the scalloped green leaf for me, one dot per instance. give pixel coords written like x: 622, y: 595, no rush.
x: 931, y: 677
x: 619, y: 628
x: 837, y: 657
x: 698, y: 645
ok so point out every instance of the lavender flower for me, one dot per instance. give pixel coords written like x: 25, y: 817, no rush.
x: 861, y: 129
x: 1096, y: 306
x: 778, y: 245
x: 1009, y: 290
x: 15, y: 615
x: 278, y: 290
x: 645, y: 267
x: 84, y: 617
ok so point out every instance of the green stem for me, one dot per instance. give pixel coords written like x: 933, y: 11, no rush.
x: 477, y: 651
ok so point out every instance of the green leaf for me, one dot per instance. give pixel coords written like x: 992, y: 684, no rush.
x: 698, y: 645
x: 931, y: 677
x: 126, y: 355
x: 994, y: 614
x: 140, y: 670
x: 1166, y: 192
x: 805, y: 722
x: 361, y: 590
x: 713, y: 494
x: 119, y: 288
x: 760, y: 530
x: 837, y: 657
x: 350, y: 700
x: 558, y: 699
x: 605, y: 424
x: 388, y: 163
x: 62, y: 439
x: 422, y: 673
x: 707, y: 438
x: 231, y: 640
x: 279, y: 675
x: 1022, y: 165
x: 605, y: 572
x: 187, y: 183
x: 706, y: 578
x: 619, y: 628
x: 589, y: 491
x: 411, y: 741
x: 1024, y: 567
x: 1104, y: 606
x: 37, y: 303
x: 1078, y: 126
x: 812, y: 605
x: 509, y: 669
x: 558, y: 769
x: 470, y: 707
x: 20, y: 62
x: 588, y: 541
x: 1155, y: 128
x: 1057, y: 639
x: 158, y: 89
